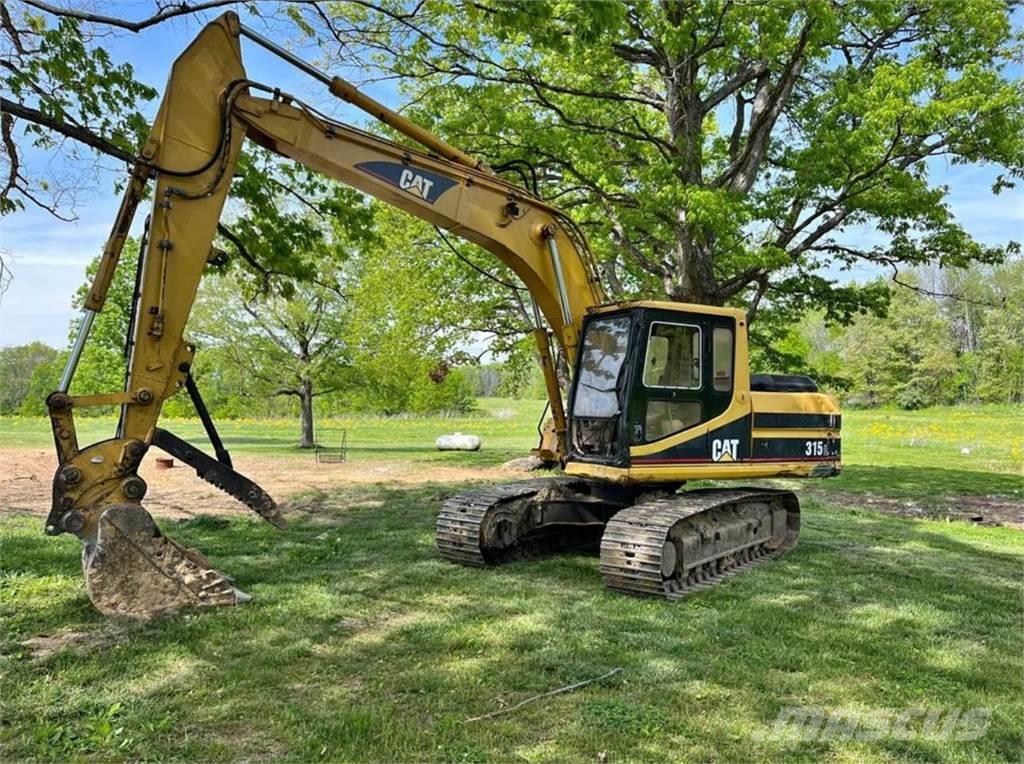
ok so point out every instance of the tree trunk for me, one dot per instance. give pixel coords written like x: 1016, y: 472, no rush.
x: 306, y: 414
x: 693, y: 278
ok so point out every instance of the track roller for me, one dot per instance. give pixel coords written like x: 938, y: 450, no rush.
x: 687, y: 543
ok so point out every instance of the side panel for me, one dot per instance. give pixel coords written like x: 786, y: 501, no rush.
x: 729, y: 442
x: 803, y: 427
x: 809, y: 445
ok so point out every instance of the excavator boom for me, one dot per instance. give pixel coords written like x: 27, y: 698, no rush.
x: 661, y: 392
x: 209, y: 109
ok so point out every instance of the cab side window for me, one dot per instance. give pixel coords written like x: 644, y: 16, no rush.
x: 673, y: 357
x: 672, y: 364
x: 722, y: 355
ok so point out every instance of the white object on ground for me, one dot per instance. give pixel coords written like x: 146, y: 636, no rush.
x: 457, y: 442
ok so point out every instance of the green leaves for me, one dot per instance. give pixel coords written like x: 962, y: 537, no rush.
x: 415, y: 307
x: 55, y: 66
x: 291, y: 225
x: 920, y: 346
x: 727, y: 152
x: 17, y: 365
x: 60, y: 84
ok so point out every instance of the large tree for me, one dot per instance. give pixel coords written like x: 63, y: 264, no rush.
x: 717, y: 151
x: 721, y: 151
x: 278, y: 347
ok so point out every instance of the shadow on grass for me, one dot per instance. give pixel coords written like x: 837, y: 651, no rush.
x: 363, y: 645
x: 925, y: 482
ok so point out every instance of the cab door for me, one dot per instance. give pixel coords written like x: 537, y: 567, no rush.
x: 598, y: 401
x: 685, y: 376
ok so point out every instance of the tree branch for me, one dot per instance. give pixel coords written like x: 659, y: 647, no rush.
x: 168, y: 12
x: 75, y: 132
x: 748, y: 73
x: 243, y: 252
x: 768, y: 105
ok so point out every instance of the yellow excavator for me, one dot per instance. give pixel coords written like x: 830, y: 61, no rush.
x: 660, y: 394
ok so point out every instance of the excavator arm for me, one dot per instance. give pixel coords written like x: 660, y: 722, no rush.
x: 209, y: 109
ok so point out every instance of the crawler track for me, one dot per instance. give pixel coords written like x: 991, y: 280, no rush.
x: 461, y: 524
x: 527, y: 519
x: 664, y: 545
x: 674, y: 546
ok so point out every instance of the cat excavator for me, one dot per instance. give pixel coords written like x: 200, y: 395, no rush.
x: 660, y: 393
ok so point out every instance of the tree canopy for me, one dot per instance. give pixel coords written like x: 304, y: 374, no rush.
x: 720, y: 151
x: 715, y: 151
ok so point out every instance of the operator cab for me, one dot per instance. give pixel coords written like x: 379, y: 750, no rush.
x: 649, y: 372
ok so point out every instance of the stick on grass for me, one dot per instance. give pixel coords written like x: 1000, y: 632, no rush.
x: 560, y: 690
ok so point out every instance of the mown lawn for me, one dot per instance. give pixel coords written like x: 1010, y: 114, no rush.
x: 362, y: 645
x: 507, y: 427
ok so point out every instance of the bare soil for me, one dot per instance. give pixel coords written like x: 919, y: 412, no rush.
x: 178, y: 494
x: 980, y: 510
x: 79, y: 642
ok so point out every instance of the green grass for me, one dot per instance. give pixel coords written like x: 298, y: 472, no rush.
x: 362, y: 645
x: 973, y: 450
x: 507, y: 428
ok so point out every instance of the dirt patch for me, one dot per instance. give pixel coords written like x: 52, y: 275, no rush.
x: 178, y: 494
x: 25, y: 484
x: 979, y: 510
x: 80, y: 642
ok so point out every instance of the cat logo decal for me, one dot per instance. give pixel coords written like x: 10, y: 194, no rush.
x: 423, y: 184
x: 725, y: 450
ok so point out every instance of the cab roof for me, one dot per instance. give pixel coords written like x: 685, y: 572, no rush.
x: 682, y: 307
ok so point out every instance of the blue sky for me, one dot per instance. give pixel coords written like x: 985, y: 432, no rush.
x: 49, y: 256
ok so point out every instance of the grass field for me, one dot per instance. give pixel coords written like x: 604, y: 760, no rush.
x: 917, y: 454
x: 362, y: 645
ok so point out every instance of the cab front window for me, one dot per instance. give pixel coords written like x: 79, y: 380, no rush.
x: 596, y: 403
x: 604, y: 351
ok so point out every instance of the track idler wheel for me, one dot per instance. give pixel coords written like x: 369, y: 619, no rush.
x: 133, y: 570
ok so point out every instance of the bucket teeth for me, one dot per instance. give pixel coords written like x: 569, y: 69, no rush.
x: 134, y: 570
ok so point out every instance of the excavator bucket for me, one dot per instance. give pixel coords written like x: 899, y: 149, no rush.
x: 133, y: 570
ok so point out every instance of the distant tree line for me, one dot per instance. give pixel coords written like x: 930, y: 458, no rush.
x: 948, y: 337
x: 320, y: 352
